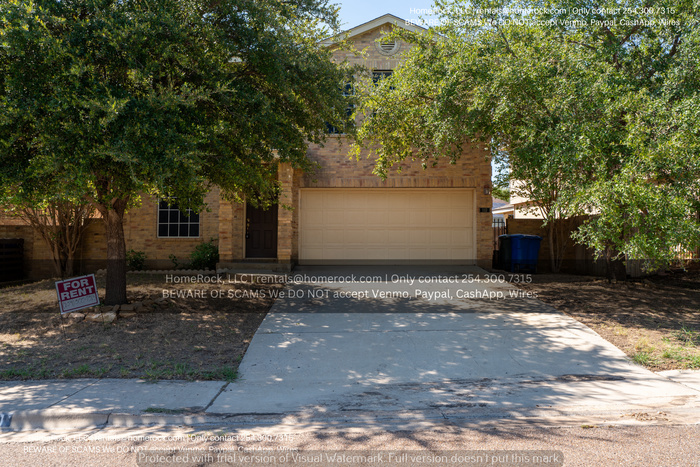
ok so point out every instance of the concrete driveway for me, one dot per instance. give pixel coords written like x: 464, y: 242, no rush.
x: 444, y: 341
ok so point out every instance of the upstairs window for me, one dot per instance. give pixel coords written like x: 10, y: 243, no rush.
x: 174, y: 223
x: 378, y: 75
x: 347, y: 91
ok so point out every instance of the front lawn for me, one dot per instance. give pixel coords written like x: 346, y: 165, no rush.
x: 655, y: 321
x: 176, y: 338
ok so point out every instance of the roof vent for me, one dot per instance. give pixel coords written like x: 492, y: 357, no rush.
x: 388, y: 47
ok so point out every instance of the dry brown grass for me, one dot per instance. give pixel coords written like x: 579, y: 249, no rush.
x: 655, y: 321
x: 190, y: 338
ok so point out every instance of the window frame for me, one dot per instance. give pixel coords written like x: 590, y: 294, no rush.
x: 378, y: 75
x: 169, y: 209
x: 349, y: 108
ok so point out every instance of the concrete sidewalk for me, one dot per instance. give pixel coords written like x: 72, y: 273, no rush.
x: 128, y: 403
x: 335, y: 352
x: 84, y: 403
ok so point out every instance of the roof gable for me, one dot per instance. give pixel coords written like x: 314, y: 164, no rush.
x: 373, y: 24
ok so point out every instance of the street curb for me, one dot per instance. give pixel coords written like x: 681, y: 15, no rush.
x: 67, y: 420
x: 131, y: 420
x: 686, y: 413
x: 55, y: 420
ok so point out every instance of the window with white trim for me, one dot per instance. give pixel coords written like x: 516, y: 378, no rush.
x: 174, y: 223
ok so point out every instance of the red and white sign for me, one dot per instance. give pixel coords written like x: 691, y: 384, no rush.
x: 77, y: 293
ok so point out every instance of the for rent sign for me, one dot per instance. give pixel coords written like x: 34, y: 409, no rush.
x: 77, y: 293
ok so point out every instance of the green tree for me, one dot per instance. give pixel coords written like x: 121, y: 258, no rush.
x: 593, y: 110
x: 165, y: 97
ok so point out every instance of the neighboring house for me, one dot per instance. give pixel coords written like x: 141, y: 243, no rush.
x: 341, y: 214
x: 501, y: 209
x: 519, y: 207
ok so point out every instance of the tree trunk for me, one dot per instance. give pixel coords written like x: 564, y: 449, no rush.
x: 57, y: 263
x: 614, y: 268
x: 70, y: 262
x: 116, y: 255
x: 552, y: 249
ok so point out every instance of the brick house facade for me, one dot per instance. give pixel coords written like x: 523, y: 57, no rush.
x: 341, y: 213
x: 350, y: 180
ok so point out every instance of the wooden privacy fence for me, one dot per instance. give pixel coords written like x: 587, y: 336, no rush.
x: 11, y: 259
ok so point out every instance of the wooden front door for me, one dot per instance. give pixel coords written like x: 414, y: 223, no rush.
x: 261, y: 232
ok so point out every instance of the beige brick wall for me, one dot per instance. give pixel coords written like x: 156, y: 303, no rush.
x: 141, y: 232
x: 38, y: 260
x: 371, y: 57
x: 286, y: 227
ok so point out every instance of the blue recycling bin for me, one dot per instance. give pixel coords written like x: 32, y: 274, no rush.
x: 520, y: 252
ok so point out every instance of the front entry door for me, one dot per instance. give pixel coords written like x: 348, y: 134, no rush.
x: 261, y: 232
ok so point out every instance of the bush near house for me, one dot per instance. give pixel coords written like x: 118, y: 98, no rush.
x: 205, y: 256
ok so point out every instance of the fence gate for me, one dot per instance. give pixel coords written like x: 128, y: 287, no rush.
x: 499, y: 228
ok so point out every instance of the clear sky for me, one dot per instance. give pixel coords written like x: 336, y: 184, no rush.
x: 355, y: 12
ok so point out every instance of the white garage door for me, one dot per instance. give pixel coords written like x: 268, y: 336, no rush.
x: 386, y: 224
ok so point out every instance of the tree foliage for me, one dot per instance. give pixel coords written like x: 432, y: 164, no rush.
x: 593, y: 105
x: 60, y: 221
x: 164, y: 97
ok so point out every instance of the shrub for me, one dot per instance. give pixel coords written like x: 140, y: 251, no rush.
x: 135, y: 260
x: 205, y: 256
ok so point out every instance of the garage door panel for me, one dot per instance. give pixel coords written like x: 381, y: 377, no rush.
x: 314, y: 203
x: 351, y: 217
x: 315, y: 236
x: 314, y: 253
x: 460, y: 252
x: 419, y: 217
x: 377, y: 237
x: 440, y: 238
x: 398, y: 218
x: 375, y: 217
x: 419, y: 253
x: 461, y: 221
x: 388, y: 224
x: 344, y: 217
x: 398, y: 253
x: 440, y: 253
x: 459, y: 237
x: 419, y: 202
x: 440, y: 218
x: 372, y: 253
x: 440, y: 200
x: 419, y: 237
x: 331, y: 236
x: 399, y: 237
